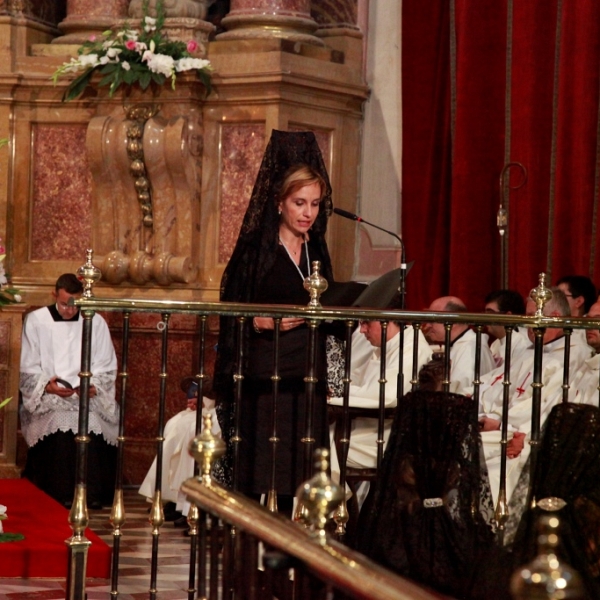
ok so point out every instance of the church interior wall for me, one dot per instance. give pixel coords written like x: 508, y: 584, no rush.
x: 65, y: 183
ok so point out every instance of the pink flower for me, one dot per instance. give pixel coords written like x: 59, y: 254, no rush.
x: 93, y: 38
x: 192, y: 46
x: 130, y: 45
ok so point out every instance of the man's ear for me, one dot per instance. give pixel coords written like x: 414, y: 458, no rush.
x: 54, y: 294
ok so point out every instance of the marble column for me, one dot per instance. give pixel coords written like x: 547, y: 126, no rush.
x: 90, y: 17
x: 184, y: 20
x: 267, y: 19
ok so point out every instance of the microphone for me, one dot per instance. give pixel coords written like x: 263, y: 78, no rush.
x: 348, y: 215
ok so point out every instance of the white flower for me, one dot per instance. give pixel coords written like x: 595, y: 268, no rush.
x: 72, y: 67
x: 188, y: 63
x: 130, y: 34
x: 149, y: 24
x: 114, y: 53
x: 18, y: 297
x: 2, y: 509
x: 89, y: 60
x: 160, y: 63
x: 126, y: 65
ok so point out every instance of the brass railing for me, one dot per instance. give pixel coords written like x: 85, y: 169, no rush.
x: 336, y: 563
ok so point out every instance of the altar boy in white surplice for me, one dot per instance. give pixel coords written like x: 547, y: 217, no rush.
x: 49, y: 383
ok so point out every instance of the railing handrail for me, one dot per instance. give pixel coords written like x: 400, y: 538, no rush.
x: 334, y: 563
x: 239, y: 309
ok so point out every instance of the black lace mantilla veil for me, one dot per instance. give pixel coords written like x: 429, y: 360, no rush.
x: 424, y: 520
x: 255, y: 251
x: 568, y: 468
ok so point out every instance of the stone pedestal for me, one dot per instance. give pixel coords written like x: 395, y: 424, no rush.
x: 268, y: 19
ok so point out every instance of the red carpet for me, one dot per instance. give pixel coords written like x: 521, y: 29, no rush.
x: 44, y: 523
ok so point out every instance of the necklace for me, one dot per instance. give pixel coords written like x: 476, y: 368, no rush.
x: 295, y: 264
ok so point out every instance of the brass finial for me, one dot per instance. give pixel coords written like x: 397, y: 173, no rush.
x: 205, y: 448
x: 341, y: 517
x: 501, y: 512
x: 319, y: 496
x: 89, y: 274
x: 78, y: 515
x: 541, y: 295
x: 315, y: 284
x: 546, y: 576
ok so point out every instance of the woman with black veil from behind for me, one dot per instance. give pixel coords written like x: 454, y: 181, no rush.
x: 428, y: 517
x: 283, y: 231
x: 566, y: 484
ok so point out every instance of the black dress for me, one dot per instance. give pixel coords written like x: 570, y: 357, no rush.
x: 259, y: 270
x: 283, y: 285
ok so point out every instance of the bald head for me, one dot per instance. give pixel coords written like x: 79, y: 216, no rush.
x: 593, y: 335
x: 434, y: 332
x: 448, y: 304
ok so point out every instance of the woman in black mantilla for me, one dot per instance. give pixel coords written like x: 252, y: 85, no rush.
x: 282, y: 233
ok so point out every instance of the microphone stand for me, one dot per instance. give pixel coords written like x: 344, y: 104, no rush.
x: 401, y: 290
x: 402, y: 285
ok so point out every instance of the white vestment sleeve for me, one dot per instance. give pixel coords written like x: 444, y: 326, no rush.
x: 33, y: 380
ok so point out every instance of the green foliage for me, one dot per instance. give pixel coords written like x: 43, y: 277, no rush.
x: 128, y: 57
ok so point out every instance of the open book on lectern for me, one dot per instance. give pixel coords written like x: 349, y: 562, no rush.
x: 377, y: 294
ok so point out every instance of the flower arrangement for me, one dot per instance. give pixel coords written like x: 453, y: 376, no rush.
x: 127, y: 57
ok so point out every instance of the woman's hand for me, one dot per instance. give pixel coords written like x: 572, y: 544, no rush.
x: 287, y: 323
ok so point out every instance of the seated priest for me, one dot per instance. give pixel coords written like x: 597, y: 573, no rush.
x: 505, y: 302
x: 462, y: 344
x: 521, y: 393
x: 365, y: 387
x: 178, y: 464
x: 583, y: 386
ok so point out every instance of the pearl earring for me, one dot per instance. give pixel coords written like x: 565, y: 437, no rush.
x: 279, y: 210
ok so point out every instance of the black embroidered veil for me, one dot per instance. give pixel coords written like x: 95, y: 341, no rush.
x: 425, y: 520
x: 568, y: 468
x: 256, y: 248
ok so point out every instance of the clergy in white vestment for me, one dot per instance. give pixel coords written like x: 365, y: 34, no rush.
x: 365, y: 388
x: 505, y: 302
x: 462, y: 344
x: 49, y: 383
x: 581, y: 294
x: 584, y: 384
x: 521, y: 394
x: 177, y: 463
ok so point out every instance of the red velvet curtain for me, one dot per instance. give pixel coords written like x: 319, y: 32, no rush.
x: 485, y: 84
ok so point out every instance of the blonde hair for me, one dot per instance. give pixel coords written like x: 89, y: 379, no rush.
x: 297, y: 177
